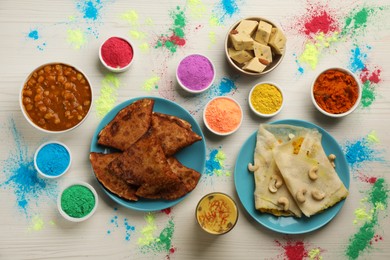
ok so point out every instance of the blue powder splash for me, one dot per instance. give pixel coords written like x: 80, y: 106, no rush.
x: 90, y: 9
x: 129, y: 229
x: 22, y: 178
x: 215, y: 164
x: 357, y: 60
x: 226, y: 9
x: 361, y: 151
x: 33, y: 34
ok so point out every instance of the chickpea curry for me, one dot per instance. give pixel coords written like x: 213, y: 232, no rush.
x: 56, y: 97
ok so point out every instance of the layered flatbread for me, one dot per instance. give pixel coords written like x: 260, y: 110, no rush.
x: 271, y: 194
x: 110, y: 181
x: 308, y: 173
x: 173, y: 132
x: 189, y: 177
x: 144, y: 164
x: 130, y: 124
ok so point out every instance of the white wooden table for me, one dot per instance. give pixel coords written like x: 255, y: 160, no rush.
x: 36, y: 32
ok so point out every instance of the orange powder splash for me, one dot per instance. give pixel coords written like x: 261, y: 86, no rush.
x: 223, y: 115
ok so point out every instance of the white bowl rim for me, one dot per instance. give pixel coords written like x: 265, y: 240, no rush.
x: 262, y: 114
x: 118, y: 70
x: 36, y: 155
x: 63, y: 213
x: 191, y: 90
x: 219, y: 133
x: 234, y: 64
x: 27, y: 116
x: 353, y: 108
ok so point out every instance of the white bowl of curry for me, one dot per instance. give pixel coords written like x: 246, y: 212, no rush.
x: 56, y: 97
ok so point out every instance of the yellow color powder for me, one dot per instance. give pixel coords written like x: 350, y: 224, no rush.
x: 373, y: 137
x: 197, y: 8
x: 76, y: 38
x: 108, y: 94
x: 131, y: 17
x: 148, y: 231
x: 37, y: 224
x: 151, y: 83
x: 315, y: 254
x: 266, y: 99
x: 310, y: 55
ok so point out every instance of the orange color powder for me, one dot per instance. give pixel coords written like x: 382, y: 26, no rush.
x: 223, y: 115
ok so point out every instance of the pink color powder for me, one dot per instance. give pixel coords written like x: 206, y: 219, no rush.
x: 116, y: 52
x: 195, y: 72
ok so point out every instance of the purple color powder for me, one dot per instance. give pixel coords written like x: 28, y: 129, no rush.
x: 195, y: 72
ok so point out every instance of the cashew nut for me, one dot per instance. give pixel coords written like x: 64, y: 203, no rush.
x: 313, y: 173
x: 331, y: 158
x: 300, y: 195
x: 252, y: 167
x: 275, y: 183
x: 317, y: 195
x: 284, y: 202
x: 291, y: 136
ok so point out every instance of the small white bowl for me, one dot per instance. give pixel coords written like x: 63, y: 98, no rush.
x: 265, y: 114
x: 357, y: 102
x: 73, y: 219
x: 187, y: 88
x: 45, y: 175
x: 24, y: 109
x: 216, y: 131
x: 118, y: 69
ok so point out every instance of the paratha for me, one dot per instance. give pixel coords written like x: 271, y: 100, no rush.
x: 189, y: 177
x: 111, y: 182
x: 174, y: 133
x: 308, y: 174
x: 130, y: 124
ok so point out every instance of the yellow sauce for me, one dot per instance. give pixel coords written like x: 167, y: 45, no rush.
x: 217, y: 213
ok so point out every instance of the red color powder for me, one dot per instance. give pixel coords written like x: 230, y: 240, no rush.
x: 373, y: 77
x: 177, y: 40
x: 294, y: 250
x: 367, y: 179
x: 117, y: 52
x: 320, y: 22
x: 166, y: 211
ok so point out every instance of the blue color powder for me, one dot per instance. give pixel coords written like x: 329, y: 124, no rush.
x: 53, y: 159
x: 359, y: 151
x: 89, y: 9
x: 33, y: 34
x: 212, y: 164
x: 357, y: 60
x: 21, y: 176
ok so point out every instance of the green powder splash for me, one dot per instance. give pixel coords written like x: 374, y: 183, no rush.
x: 361, y: 241
x: 76, y: 38
x: 108, y: 94
x: 357, y: 20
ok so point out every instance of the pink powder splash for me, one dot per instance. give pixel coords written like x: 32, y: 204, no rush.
x: 293, y: 250
x: 371, y: 76
x: 367, y: 179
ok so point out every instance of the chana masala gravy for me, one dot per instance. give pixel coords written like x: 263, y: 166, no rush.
x: 56, y: 97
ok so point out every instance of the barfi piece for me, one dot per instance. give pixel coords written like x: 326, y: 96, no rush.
x: 254, y: 65
x: 240, y: 56
x: 241, y: 41
x: 247, y: 26
x: 263, y: 32
x: 262, y: 51
x: 277, y: 40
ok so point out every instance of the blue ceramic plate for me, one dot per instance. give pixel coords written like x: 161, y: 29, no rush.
x: 245, y: 185
x: 193, y: 156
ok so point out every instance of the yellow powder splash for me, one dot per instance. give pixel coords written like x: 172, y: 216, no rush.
x: 137, y: 34
x: 197, y: 8
x: 76, y: 38
x: 151, y: 83
x: 37, y: 224
x: 131, y: 17
x: 373, y: 137
x: 148, y: 231
x: 310, y: 55
x: 213, y: 38
x: 108, y: 94
x: 214, y: 21
x: 220, y: 157
x: 144, y: 47
x: 149, y: 21
x: 315, y: 254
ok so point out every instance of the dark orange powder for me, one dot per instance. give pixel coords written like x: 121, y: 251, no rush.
x: 335, y: 91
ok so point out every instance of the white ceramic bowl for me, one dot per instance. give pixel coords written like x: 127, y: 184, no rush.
x: 187, y: 88
x: 266, y: 115
x: 23, y: 107
x: 45, y: 175
x: 353, y: 108
x: 73, y: 219
x: 215, y: 131
x: 119, y: 69
x: 276, y: 59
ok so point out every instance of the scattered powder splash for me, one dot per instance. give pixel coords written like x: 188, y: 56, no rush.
x: 37, y: 223
x: 76, y: 38
x: 298, y: 250
x: 176, y: 37
x: 90, y: 9
x: 215, y: 165
x: 370, y: 80
x: 377, y: 200
x: 108, y: 94
x: 151, y: 83
x: 196, y: 8
x: 226, y: 86
x: 132, y: 18
x: 35, y: 36
x: 225, y: 9
x: 162, y: 243
x: 361, y: 151
x: 114, y: 221
x: 358, y: 59
x: 22, y: 178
